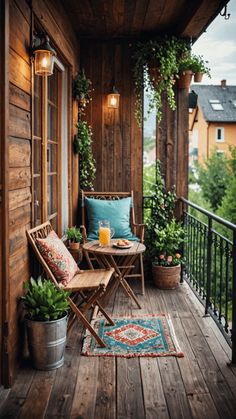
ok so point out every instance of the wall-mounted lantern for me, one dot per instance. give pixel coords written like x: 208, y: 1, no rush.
x: 113, y: 99
x: 43, y: 55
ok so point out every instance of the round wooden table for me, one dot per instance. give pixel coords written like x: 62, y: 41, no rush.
x: 121, y: 259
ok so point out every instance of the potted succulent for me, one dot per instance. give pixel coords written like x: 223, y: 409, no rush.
x: 74, y: 237
x: 155, y: 69
x: 199, y: 67
x: 164, y: 236
x: 46, y: 323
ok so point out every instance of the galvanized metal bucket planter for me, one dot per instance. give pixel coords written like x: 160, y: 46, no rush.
x: 166, y: 277
x: 47, y: 341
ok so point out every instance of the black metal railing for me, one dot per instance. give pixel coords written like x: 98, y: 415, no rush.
x: 210, y: 264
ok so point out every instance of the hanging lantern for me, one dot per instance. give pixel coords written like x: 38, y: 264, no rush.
x: 113, y: 99
x: 43, y: 55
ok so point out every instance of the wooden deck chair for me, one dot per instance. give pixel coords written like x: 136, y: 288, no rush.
x: 87, y: 287
x: 137, y: 229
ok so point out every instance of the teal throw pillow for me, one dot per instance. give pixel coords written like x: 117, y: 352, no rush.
x: 115, y: 211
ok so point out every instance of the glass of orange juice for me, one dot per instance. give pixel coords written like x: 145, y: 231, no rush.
x: 105, y: 233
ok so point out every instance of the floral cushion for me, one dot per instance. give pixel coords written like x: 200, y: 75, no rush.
x: 57, y: 257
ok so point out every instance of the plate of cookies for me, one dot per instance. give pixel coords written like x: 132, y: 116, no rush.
x: 123, y: 244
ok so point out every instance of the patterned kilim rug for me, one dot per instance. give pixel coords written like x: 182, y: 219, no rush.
x: 150, y: 335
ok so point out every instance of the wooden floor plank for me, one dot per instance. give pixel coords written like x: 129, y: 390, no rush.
x: 38, y: 396
x: 173, y: 387
x: 106, y: 391
x: 83, y: 404
x: 154, y: 398
x: 202, y: 406
x: 217, y: 385
x: 63, y: 390
x: 129, y: 389
x: 199, y: 385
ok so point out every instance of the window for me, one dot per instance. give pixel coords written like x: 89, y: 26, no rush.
x: 219, y: 134
x: 50, y: 194
x: 216, y: 105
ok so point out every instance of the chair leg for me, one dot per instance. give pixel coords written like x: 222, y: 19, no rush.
x: 142, y: 274
x: 105, y: 314
x: 86, y: 323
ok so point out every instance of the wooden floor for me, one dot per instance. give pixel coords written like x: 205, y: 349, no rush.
x: 200, y: 385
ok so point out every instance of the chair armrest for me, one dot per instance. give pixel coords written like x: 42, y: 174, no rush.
x: 139, y: 231
x: 84, y: 233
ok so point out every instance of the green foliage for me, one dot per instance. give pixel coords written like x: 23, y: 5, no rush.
x: 164, y: 234
x: 74, y: 234
x: 43, y: 301
x: 164, y: 53
x: 193, y: 62
x: 87, y: 163
x: 199, y: 65
x: 82, y: 87
x: 213, y: 179
x: 149, y: 180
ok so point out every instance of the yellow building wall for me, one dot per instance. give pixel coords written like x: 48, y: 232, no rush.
x: 207, y: 132
x: 229, y: 137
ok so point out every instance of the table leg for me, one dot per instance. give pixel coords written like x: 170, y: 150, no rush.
x: 121, y: 278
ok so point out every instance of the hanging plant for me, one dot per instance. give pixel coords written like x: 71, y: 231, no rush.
x: 82, y: 89
x: 87, y: 163
x: 155, y: 69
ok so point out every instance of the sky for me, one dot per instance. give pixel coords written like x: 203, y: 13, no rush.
x: 218, y: 47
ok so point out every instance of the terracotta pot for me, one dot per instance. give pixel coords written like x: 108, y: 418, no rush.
x: 73, y: 245
x: 185, y: 79
x: 198, y: 77
x: 166, y: 277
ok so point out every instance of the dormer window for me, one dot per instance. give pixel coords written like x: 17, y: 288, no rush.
x: 216, y: 105
x: 234, y: 103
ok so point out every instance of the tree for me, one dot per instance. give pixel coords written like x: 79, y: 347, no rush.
x: 213, y: 179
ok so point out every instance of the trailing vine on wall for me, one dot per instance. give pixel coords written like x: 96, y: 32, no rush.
x: 82, y: 89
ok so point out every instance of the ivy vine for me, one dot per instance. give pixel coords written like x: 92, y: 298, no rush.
x: 87, y: 163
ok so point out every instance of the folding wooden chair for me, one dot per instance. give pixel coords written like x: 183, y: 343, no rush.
x: 87, y: 287
x: 137, y: 229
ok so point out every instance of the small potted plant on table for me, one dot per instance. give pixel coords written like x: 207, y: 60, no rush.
x: 164, y: 236
x: 46, y: 323
x: 74, y: 237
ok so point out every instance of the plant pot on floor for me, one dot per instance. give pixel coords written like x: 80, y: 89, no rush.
x: 166, y: 277
x: 47, y: 341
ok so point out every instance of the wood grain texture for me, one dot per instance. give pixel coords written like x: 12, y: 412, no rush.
x: 117, y: 142
x: 19, y: 152
x: 19, y: 71
x: 19, y: 123
x: 138, y: 18
x: 131, y: 388
x: 19, y: 98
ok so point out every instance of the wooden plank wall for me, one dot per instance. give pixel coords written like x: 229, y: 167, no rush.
x: 172, y: 145
x: 54, y: 22
x: 117, y: 141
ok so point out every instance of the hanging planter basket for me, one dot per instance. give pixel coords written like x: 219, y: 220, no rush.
x: 185, y: 79
x: 166, y: 277
x: 198, y: 77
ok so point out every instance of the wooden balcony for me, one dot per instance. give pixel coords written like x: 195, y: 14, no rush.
x: 199, y: 385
